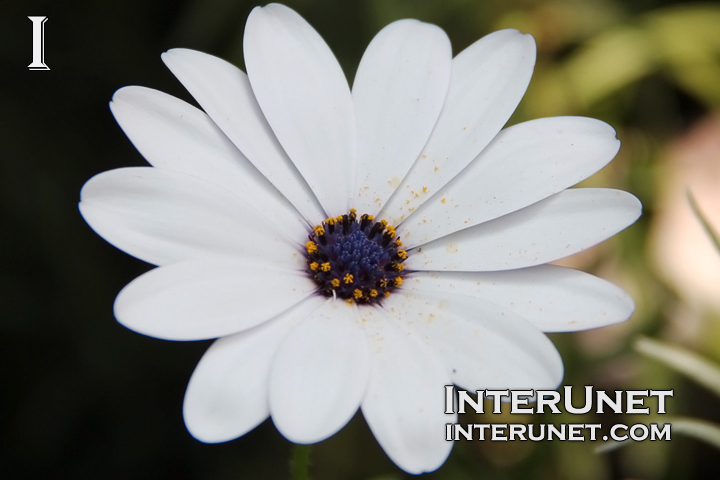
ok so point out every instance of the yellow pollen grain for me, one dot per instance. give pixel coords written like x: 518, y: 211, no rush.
x: 349, y: 301
x: 443, y: 200
x: 311, y: 247
x: 387, y: 294
x: 424, y: 189
x: 357, y: 293
x: 373, y: 293
x: 436, y: 169
x: 335, y: 282
x: 314, y: 266
x: 348, y: 278
x: 325, y: 267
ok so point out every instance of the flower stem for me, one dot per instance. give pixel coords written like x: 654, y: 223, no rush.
x: 300, y: 463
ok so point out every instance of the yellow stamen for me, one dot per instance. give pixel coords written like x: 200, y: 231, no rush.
x: 330, y: 221
x: 314, y: 266
x: 357, y: 293
x: 402, y: 254
x: 311, y: 247
x: 373, y: 293
x: 383, y: 283
x: 398, y: 281
x: 352, y: 210
x: 348, y: 278
x: 335, y: 282
x: 384, y: 223
x: 400, y: 267
x: 398, y: 243
x: 386, y: 294
x: 325, y: 267
x: 349, y: 301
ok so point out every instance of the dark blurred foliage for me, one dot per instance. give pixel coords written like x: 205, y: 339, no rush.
x: 82, y: 397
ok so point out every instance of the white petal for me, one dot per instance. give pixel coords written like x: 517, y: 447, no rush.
x: 399, y: 89
x: 522, y: 165
x: 174, y: 135
x: 162, y: 216
x: 481, y: 345
x: 320, y: 374
x: 552, y: 298
x: 200, y: 300
x: 227, y: 395
x: 562, y: 225
x: 223, y: 91
x: 487, y: 82
x: 404, y: 401
x: 305, y: 97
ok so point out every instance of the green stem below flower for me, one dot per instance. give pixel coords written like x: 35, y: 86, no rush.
x: 300, y: 462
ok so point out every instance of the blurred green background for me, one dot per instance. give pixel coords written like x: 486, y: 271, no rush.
x: 82, y: 397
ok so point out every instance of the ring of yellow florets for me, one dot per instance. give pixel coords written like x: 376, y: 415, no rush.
x: 359, y: 260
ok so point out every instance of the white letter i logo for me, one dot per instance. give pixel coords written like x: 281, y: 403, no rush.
x: 38, y: 58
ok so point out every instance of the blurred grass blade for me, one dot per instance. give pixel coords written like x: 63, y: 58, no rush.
x: 704, y: 221
x: 610, y: 446
x: 698, y: 429
x: 609, y: 62
x: 684, y: 361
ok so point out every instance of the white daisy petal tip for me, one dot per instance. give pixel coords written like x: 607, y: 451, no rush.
x: 315, y: 391
x: 314, y: 322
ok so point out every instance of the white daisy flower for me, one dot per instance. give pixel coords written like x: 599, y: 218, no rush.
x: 357, y: 248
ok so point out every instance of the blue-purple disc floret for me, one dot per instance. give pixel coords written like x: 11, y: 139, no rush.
x: 356, y: 259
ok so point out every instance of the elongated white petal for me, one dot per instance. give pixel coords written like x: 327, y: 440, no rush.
x: 173, y: 135
x: 162, y: 216
x: 552, y: 298
x: 522, y: 165
x: 305, y: 97
x: 399, y: 89
x: 487, y: 82
x: 404, y: 402
x: 481, y: 345
x: 227, y: 395
x: 200, y: 300
x: 223, y: 91
x: 562, y: 225
x: 320, y: 374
